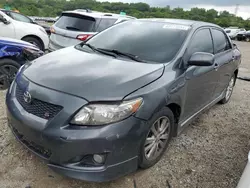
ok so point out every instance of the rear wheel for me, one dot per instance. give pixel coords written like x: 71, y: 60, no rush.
x: 34, y: 41
x: 229, y: 90
x: 8, y: 70
x: 157, y: 139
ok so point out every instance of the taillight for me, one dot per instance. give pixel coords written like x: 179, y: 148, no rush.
x: 52, y: 30
x: 83, y: 37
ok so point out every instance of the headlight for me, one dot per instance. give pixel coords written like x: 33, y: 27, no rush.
x: 101, y: 114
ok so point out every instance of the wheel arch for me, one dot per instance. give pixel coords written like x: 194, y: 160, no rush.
x: 176, y: 110
x: 34, y: 36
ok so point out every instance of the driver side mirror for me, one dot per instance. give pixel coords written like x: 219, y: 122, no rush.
x: 4, y: 20
x: 201, y: 59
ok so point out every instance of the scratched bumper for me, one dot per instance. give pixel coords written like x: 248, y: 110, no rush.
x: 72, y: 156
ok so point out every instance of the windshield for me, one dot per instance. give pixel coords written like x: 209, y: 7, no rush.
x: 150, y: 41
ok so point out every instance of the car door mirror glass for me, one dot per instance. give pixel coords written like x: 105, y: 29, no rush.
x: 201, y: 59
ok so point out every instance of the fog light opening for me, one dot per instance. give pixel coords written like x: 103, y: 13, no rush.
x: 98, y: 158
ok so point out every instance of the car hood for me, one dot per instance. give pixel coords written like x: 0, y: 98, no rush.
x: 93, y: 77
x: 15, y: 42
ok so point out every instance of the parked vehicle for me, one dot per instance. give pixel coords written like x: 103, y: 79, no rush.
x: 13, y: 54
x: 232, y: 32
x: 109, y: 105
x: 244, y: 36
x: 245, y: 180
x: 22, y: 18
x: 28, y: 32
x: 76, y: 26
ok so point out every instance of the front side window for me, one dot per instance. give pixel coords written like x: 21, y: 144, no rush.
x: 201, y: 42
x: 105, y: 23
x: 20, y: 17
x: 221, y: 43
x: 149, y: 40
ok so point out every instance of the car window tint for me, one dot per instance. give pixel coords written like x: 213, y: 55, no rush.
x: 221, y: 43
x: 151, y: 41
x: 201, y: 42
x: 20, y: 17
x: 75, y: 22
x: 105, y: 23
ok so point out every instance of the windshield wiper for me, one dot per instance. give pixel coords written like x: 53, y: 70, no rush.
x: 117, y: 52
x: 72, y: 28
x: 98, y: 50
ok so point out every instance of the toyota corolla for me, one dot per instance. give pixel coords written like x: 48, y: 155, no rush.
x: 101, y: 109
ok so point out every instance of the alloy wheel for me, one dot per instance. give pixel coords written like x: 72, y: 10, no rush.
x: 7, y: 75
x: 229, y: 89
x: 157, y: 138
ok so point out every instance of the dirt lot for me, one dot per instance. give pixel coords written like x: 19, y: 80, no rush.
x: 212, y: 152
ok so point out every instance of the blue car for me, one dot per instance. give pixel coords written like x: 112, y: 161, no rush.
x: 13, y: 54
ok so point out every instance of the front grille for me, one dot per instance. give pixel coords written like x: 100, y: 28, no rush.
x: 45, y: 153
x: 37, y: 107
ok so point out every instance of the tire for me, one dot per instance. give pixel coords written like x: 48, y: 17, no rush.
x: 230, y: 86
x: 248, y: 39
x: 164, y: 114
x: 8, y: 70
x: 34, y: 41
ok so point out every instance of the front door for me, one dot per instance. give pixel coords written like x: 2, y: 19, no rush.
x: 200, y: 81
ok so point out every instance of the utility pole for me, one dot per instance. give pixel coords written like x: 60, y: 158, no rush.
x: 236, y: 9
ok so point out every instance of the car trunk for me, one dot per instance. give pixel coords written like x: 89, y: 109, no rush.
x: 69, y: 27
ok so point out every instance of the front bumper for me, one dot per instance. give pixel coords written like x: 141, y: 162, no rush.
x: 65, y: 147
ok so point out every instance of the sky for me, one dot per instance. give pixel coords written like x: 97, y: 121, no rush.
x: 219, y: 5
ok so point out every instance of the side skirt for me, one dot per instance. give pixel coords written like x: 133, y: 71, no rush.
x: 182, y: 125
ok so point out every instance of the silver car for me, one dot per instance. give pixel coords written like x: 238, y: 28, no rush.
x: 78, y: 25
x: 245, y: 178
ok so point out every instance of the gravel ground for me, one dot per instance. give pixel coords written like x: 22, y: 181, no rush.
x: 212, y: 152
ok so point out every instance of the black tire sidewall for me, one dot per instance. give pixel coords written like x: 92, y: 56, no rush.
x: 35, y: 40
x: 7, y: 61
x: 143, y: 162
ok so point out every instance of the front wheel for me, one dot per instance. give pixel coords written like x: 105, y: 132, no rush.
x: 157, y: 139
x: 229, y: 90
x: 8, y: 70
x: 34, y: 41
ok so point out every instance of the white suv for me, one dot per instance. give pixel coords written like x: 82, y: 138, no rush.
x: 28, y: 32
x: 78, y: 25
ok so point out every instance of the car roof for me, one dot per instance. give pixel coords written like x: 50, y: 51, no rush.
x: 96, y: 14
x: 191, y: 23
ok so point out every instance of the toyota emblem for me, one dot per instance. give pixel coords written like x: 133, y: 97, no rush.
x: 27, y: 97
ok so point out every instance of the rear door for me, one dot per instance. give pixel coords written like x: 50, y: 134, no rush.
x: 69, y: 27
x: 224, y: 58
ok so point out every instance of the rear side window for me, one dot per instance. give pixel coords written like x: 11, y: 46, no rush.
x: 221, y: 43
x: 105, y: 23
x: 201, y: 42
x: 75, y: 22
